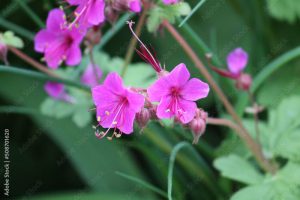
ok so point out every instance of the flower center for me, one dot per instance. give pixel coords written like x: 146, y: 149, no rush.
x: 175, y: 92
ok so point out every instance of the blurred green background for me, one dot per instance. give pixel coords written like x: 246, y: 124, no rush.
x: 55, y: 159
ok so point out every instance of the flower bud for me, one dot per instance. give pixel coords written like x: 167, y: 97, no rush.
x: 198, y: 125
x: 170, y: 2
x: 94, y: 35
x: 143, y: 117
x: 126, y: 5
x: 243, y: 82
x: 110, y: 14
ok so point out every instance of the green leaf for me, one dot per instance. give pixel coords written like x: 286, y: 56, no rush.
x: 287, y: 10
x: 139, y: 75
x: 280, y: 85
x: 82, y: 117
x: 85, y: 195
x: 10, y: 39
x: 236, y: 168
x: 282, y: 186
x: 143, y: 183
x: 55, y: 108
x: 166, y: 12
x: 285, y: 125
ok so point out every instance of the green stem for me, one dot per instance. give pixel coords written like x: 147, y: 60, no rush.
x: 204, y: 173
x: 171, y: 165
x: 40, y: 76
x: 199, y: 4
x: 133, y: 41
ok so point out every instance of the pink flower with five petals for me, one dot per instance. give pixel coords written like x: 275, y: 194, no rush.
x: 116, y: 105
x: 177, y: 94
x: 57, y: 42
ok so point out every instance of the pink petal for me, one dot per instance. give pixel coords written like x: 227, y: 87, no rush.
x: 159, y: 89
x: 126, y: 121
x: 188, y: 111
x: 114, y: 83
x: 89, y: 77
x: 73, y: 55
x: 102, y: 97
x: 178, y: 76
x: 164, y: 108
x: 54, y: 53
x: 194, y: 89
x: 53, y: 89
x: 136, y: 101
x: 168, y: 2
x: 42, y: 39
x: 55, y: 20
x: 75, y: 2
x: 237, y: 60
x: 107, y: 116
x: 95, y: 12
x: 135, y: 6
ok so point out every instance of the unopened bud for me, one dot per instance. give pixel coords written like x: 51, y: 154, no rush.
x: 152, y: 111
x: 143, y: 117
x: 111, y: 14
x: 93, y: 36
x: 198, y: 125
x: 243, y: 82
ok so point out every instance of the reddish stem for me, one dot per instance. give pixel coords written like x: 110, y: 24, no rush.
x: 32, y: 62
x: 242, y: 132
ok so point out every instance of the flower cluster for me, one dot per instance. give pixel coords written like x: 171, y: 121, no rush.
x: 172, y: 95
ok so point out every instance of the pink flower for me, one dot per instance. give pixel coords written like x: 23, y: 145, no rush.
x: 57, y: 91
x: 237, y: 60
x: 57, y: 42
x: 168, y: 2
x: 116, y: 105
x: 88, y: 12
x: 92, y: 75
x: 134, y: 6
x: 176, y: 94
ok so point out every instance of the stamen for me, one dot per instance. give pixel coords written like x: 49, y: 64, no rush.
x: 107, y: 113
x: 98, y: 119
x: 77, y: 17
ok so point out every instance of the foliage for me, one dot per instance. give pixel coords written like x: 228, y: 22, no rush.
x: 166, y: 12
x: 57, y: 137
x: 288, y: 10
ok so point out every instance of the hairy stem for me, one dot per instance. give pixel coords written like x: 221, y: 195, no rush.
x: 243, y: 133
x: 133, y: 41
x: 32, y: 62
